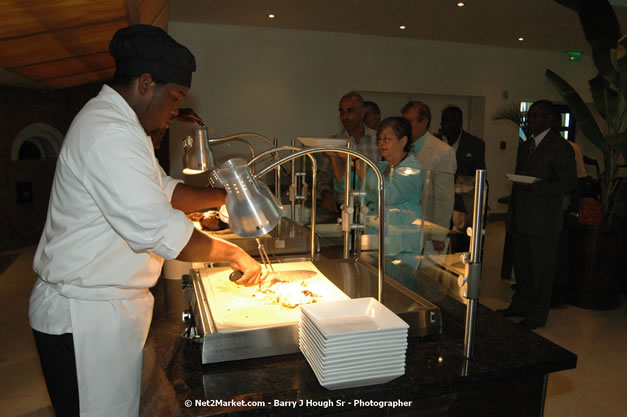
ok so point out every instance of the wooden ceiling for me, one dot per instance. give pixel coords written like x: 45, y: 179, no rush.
x: 64, y: 43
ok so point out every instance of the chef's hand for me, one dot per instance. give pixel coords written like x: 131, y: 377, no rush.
x: 250, y: 268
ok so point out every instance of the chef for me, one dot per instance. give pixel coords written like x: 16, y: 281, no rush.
x: 113, y: 217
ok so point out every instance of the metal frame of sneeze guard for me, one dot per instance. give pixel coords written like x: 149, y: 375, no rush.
x: 472, y: 261
x: 314, y: 171
x: 348, y: 152
x: 202, y: 134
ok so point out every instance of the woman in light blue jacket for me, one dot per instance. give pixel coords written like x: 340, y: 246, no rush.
x: 404, y: 177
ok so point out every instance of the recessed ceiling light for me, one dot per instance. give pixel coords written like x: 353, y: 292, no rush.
x: 402, y: 27
x: 460, y: 4
x: 271, y: 16
x: 521, y: 39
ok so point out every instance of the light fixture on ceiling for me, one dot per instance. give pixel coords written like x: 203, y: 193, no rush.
x: 520, y: 39
x: 271, y: 16
x: 461, y: 4
x: 402, y: 27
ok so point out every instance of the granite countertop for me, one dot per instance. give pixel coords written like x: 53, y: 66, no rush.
x: 173, y: 374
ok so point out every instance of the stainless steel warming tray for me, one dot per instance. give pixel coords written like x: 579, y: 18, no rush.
x: 235, y: 307
x: 233, y: 324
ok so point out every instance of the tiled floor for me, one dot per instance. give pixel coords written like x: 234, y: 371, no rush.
x: 22, y: 390
x: 595, y: 388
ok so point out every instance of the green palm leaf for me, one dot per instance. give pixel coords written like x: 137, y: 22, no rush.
x: 582, y: 113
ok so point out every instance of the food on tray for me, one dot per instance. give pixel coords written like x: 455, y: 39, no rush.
x: 208, y: 220
x: 285, y: 294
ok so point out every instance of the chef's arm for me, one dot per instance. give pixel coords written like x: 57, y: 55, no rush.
x: 188, y: 198
x: 203, y: 248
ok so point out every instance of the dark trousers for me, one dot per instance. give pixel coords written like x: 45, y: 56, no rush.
x: 534, y: 267
x: 507, y: 263
x: 562, y: 269
x: 58, y: 363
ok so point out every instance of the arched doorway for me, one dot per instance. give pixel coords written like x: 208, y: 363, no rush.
x: 36, y: 141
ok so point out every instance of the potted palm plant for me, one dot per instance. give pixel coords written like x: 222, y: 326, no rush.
x: 595, y: 273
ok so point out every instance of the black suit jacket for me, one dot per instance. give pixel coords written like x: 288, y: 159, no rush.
x: 537, y: 208
x: 470, y: 157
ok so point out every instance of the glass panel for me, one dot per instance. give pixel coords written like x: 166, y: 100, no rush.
x: 426, y: 216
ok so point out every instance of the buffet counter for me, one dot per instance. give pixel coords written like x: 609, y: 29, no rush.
x: 507, y: 375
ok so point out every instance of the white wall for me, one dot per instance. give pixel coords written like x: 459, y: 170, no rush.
x: 287, y: 83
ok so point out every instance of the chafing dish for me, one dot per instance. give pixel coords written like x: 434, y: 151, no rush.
x: 233, y: 324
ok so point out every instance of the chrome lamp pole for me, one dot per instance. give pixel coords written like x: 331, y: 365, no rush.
x: 472, y: 261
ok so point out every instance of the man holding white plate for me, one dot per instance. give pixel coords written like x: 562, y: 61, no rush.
x: 535, y: 214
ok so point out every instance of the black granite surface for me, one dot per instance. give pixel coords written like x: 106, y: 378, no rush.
x: 504, y: 377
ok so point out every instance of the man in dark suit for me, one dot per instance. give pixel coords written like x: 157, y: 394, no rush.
x: 470, y: 154
x: 535, y: 214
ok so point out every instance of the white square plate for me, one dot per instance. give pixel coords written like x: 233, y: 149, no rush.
x: 361, y: 380
x: 357, y: 346
x: 348, y: 358
x: 345, y: 373
x: 365, y: 347
x: 353, y: 383
x: 352, y: 317
x: 322, y: 142
x: 522, y: 179
x: 352, y: 338
x: 356, y: 359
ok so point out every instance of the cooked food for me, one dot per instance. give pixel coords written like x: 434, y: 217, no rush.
x: 285, y: 294
x: 208, y: 220
x: 195, y: 217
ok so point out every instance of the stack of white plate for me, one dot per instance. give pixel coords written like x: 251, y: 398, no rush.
x: 353, y: 343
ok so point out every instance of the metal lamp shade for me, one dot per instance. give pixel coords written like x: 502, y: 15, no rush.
x: 198, y: 157
x: 253, y: 209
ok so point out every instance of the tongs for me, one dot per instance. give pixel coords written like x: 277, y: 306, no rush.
x: 235, y: 275
x: 264, y: 256
x: 273, y: 277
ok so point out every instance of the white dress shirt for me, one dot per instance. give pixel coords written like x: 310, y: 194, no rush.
x: 439, y: 160
x: 538, y: 139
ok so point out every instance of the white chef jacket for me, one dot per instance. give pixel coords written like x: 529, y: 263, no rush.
x: 109, y: 226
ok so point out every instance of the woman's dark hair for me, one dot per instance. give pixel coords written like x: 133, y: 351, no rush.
x: 401, y: 127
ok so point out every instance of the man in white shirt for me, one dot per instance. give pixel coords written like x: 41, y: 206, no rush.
x: 360, y: 137
x: 112, y: 219
x: 439, y: 160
